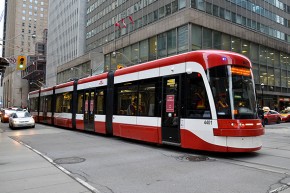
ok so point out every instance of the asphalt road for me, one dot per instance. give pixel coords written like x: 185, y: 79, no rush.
x: 114, y: 165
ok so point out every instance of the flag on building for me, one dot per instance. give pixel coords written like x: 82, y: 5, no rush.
x: 131, y: 19
x: 117, y: 24
x: 124, y: 23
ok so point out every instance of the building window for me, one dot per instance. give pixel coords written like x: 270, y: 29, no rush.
x: 256, y: 73
x: 271, y: 76
x: 284, y: 78
x: 263, y: 75
x: 236, y: 45
x: 135, y: 53
x: 152, y: 48
x: 107, y: 62
x: 174, y: 6
x: 168, y: 9
x: 161, y: 45
x: 171, y: 42
x: 208, y: 8
x: 263, y: 55
x: 226, y: 42
x: 161, y: 12
x: 182, y: 39
x: 207, y: 38
x: 246, y: 48
x: 181, y: 4
x: 196, y: 37
x: 215, y: 10
x: 254, y: 52
x: 277, y: 76
x: 217, y: 40
x: 144, y: 50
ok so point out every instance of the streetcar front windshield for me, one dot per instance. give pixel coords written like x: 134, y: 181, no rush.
x: 233, y: 91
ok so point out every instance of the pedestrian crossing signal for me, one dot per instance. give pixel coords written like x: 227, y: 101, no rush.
x: 21, y: 63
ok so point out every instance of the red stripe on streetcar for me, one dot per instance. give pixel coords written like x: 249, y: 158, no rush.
x: 138, y: 132
x: 191, y: 141
x: 239, y: 128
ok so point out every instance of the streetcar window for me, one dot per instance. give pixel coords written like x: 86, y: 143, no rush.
x: 63, y: 102
x: 243, y: 95
x: 219, y: 81
x: 233, y: 91
x: 42, y: 100
x: 33, y: 104
x: 45, y: 104
x: 127, y: 100
x: 80, y: 102
x: 197, y: 104
x: 146, y: 106
x: 48, y: 103
x: 137, y: 99
x: 99, y: 101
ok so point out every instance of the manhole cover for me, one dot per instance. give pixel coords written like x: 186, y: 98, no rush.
x: 69, y: 160
x: 193, y: 158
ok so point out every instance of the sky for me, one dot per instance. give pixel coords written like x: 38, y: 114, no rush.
x: 2, y: 6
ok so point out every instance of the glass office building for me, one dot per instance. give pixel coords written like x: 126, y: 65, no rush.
x: 131, y: 32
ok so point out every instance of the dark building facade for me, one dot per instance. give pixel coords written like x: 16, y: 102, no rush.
x: 130, y: 32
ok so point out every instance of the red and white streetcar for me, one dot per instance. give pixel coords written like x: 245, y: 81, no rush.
x: 203, y: 100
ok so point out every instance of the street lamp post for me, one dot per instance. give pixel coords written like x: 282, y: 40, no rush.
x: 262, y: 88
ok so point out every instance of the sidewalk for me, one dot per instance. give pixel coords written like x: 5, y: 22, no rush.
x: 286, y: 191
x: 24, y: 171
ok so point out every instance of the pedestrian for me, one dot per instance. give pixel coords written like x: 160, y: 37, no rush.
x: 261, y: 115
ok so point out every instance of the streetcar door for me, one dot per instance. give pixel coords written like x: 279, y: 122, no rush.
x: 89, y: 110
x: 170, y: 110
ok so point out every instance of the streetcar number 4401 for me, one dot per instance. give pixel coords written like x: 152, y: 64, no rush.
x: 208, y: 122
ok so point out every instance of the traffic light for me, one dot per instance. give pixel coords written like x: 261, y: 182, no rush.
x: 21, y: 63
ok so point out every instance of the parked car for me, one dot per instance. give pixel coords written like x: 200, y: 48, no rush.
x: 272, y: 116
x: 285, y: 114
x: 5, y: 114
x: 21, y: 119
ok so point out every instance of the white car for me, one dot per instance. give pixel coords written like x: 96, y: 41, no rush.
x: 21, y: 119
